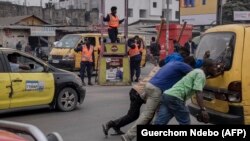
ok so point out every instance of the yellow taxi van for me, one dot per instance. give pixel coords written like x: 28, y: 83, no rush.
x: 63, y: 55
x: 227, y: 97
x: 26, y: 81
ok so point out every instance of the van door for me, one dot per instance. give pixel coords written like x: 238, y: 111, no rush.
x: 225, y: 46
x: 246, y: 78
x: 31, y: 85
x: 5, y: 85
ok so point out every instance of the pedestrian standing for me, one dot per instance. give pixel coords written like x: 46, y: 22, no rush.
x: 155, y: 51
x: 87, y: 60
x: 137, y: 98
x: 28, y: 49
x: 191, y: 46
x: 113, y: 24
x: 164, y: 79
x: 19, y: 46
x: 176, y: 46
x: 174, y: 99
x: 135, y: 55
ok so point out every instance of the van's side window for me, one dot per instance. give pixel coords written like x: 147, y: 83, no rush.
x: 20, y: 63
x: 221, y: 47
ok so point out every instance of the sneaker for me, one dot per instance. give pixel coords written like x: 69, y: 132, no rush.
x: 83, y: 83
x: 125, y: 138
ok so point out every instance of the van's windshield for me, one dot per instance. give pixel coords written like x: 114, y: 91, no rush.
x: 220, y: 45
x: 69, y: 41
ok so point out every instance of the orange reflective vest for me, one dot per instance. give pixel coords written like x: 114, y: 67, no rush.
x: 87, y: 53
x: 113, y: 21
x: 135, y: 51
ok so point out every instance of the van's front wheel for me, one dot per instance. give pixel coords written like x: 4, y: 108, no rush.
x: 67, y: 100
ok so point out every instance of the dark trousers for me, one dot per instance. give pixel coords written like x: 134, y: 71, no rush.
x: 135, y: 68
x: 113, y: 32
x: 86, y: 66
x: 133, y: 112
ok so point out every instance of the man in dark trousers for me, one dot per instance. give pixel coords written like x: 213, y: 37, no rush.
x: 137, y: 98
x: 87, y: 60
x: 113, y: 24
x: 135, y: 55
x: 155, y: 51
x: 191, y: 46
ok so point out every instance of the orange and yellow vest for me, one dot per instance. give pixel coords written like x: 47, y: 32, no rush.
x: 87, y: 53
x: 135, y: 51
x: 113, y: 21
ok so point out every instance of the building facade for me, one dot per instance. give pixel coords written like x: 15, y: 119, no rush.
x: 150, y: 10
x: 88, y: 5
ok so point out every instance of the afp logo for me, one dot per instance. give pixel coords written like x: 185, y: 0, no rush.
x: 114, y: 48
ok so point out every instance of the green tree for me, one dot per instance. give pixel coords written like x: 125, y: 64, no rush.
x: 234, y: 5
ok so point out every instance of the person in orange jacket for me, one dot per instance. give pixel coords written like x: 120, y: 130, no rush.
x: 113, y: 24
x: 87, y: 60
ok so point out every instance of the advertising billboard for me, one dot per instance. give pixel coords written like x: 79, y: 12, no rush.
x: 241, y: 15
x: 198, y: 12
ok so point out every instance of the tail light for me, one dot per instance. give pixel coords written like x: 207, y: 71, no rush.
x: 235, y: 92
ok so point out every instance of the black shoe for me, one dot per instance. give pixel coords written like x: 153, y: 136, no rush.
x: 118, y: 131
x: 105, y: 130
x: 90, y: 84
x: 107, y: 127
x: 136, y: 80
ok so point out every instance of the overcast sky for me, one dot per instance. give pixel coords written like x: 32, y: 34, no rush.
x: 29, y: 2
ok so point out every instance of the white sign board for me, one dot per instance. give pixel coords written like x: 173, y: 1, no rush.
x: 205, y: 19
x: 241, y: 15
x: 42, y: 31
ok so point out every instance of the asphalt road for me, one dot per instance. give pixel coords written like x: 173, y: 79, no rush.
x: 84, y: 124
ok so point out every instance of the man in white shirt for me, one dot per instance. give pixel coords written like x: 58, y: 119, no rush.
x: 15, y: 67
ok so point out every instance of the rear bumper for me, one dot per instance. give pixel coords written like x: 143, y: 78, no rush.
x: 63, y: 64
x: 220, y: 118
x: 82, y: 92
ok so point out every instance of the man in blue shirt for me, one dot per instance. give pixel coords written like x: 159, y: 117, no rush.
x: 177, y: 56
x: 164, y: 79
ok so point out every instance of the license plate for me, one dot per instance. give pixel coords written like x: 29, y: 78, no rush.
x: 55, y: 61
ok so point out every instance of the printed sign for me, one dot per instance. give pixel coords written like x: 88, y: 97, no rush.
x: 241, y: 15
x: 198, y: 12
x: 114, y: 69
x: 114, y: 49
x: 43, y: 31
x: 34, y: 85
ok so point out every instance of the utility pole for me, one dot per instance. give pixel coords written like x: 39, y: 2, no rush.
x: 167, y: 27
x: 221, y: 12
x: 126, y: 21
x: 41, y: 3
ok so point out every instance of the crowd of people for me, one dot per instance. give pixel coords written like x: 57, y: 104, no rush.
x: 166, y: 89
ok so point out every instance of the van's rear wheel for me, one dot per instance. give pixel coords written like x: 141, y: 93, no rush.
x: 67, y: 99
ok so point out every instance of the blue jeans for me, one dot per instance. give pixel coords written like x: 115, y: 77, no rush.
x: 172, y: 107
x: 189, y: 2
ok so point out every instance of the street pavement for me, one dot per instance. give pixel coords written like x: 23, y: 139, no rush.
x: 84, y: 124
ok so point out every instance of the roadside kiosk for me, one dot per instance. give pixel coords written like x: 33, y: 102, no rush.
x: 114, y: 66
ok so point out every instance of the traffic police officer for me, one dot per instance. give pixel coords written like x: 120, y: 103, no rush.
x: 113, y: 24
x: 87, y: 60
